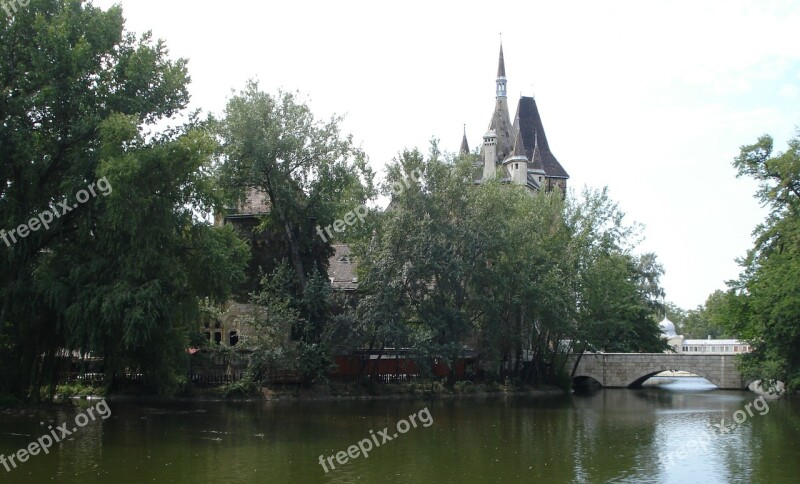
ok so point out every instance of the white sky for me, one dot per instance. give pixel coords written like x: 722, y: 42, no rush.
x: 652, y: 99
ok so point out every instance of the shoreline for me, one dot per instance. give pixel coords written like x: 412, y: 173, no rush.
x: 312, y: 394
x: 267, y: 394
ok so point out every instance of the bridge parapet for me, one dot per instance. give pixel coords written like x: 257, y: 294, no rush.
x: 624, y: 370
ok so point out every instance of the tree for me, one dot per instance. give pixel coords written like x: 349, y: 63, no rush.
x: 708, y: 319
x: 677, y: 315
x: 121, y: 275
x: 308, y: 173
x: 519, y: 277
x: 617, y: 292
x: 763, y: 305
x: 422, y: 257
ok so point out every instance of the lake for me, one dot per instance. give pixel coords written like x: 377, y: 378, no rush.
x: 682, y: 430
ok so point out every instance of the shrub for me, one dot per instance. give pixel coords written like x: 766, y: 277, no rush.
x: 79, y: 389
x: 242, y: 388
x: 465, y: 386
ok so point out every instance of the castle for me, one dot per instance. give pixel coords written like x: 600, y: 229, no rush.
x: 519, y: 152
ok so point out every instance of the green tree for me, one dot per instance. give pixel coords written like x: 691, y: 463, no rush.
x: 763, y: 306
x: 122, y: 275
x: 309, y: 174
x: 310, y: 177
x: 677, y: 315
x: 708, y: 319
x: 617, y: 292
x: 511, y: 274
x: 422, y: 257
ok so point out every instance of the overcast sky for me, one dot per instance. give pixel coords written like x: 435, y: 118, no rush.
x: 652, y: 99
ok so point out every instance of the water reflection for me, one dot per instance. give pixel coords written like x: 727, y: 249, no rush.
x: 608, y: 436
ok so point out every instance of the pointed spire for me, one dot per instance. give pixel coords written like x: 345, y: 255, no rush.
x: 536, y: 158
x: 464, y: 145
x: 519, y: 147
x: 501, y: 66
x: 501, y: 73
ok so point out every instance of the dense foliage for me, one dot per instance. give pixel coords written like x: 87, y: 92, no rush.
x: 706, y: 320
x: 304, y: 170
x: 763, y: 305
x: 523, y: 279
x: 122, y: 275
x: 129, y: 274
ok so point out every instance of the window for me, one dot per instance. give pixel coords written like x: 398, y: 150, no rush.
x: 233, y: 338
x: 208, y: 335
x: 217, y: 337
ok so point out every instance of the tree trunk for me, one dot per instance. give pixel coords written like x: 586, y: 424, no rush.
x: 294, y: 254
x: 578, y: 360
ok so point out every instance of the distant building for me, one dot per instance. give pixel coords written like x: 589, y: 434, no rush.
x: 266, y: 248
x: 704, y: 346
x: 518, y: 153
x: 714, y: 346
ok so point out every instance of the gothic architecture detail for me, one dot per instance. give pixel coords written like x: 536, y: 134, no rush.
x: 517, y: 152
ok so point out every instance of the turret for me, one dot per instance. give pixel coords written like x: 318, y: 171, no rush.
x: 489, y: 154
x: 501, y: 75
x: 517, y: 163
x: 464, y: 145
x: 537, y: 165
x: 501, y: 122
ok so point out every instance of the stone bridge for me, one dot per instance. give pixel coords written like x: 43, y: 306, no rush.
x: 630, y: 370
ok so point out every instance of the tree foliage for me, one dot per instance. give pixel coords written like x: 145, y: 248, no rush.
x: 763, y: 305
x: 306, y: 171
x: 707, y: 320
x: 521, y: 278
x: 122, y: 275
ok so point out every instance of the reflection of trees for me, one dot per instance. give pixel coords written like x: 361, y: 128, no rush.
x: 613, y: 436
x: 773, y: 444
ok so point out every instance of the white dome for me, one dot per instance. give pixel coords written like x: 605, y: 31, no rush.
x: 667, y: 328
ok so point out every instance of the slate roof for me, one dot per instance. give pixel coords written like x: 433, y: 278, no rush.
x: 464, y: 145
x: 501, y: 66
x: 501, y: 124
x: 342, y: 269
x: 519, y: 147
x: 536, y: 157
x: 533, y: 181
x: 529, y: 123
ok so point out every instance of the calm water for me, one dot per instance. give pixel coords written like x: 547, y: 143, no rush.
x: 673, y: 433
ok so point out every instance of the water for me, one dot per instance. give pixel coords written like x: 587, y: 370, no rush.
x: 611, y: 436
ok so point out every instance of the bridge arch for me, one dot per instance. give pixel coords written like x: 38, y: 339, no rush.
x: 647, y: 374
x: 630, y: 370
x: 584, y: 380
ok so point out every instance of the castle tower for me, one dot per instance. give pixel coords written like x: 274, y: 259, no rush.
x: 517, y: 163
x: 489, y: 154
x: 501, y: 76
x: 536, y: 168
x: 528, y: 122
x: 501, y: 121
x: 524, y: 141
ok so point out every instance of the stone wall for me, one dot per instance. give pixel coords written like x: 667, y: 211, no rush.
x: 623, y: 370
